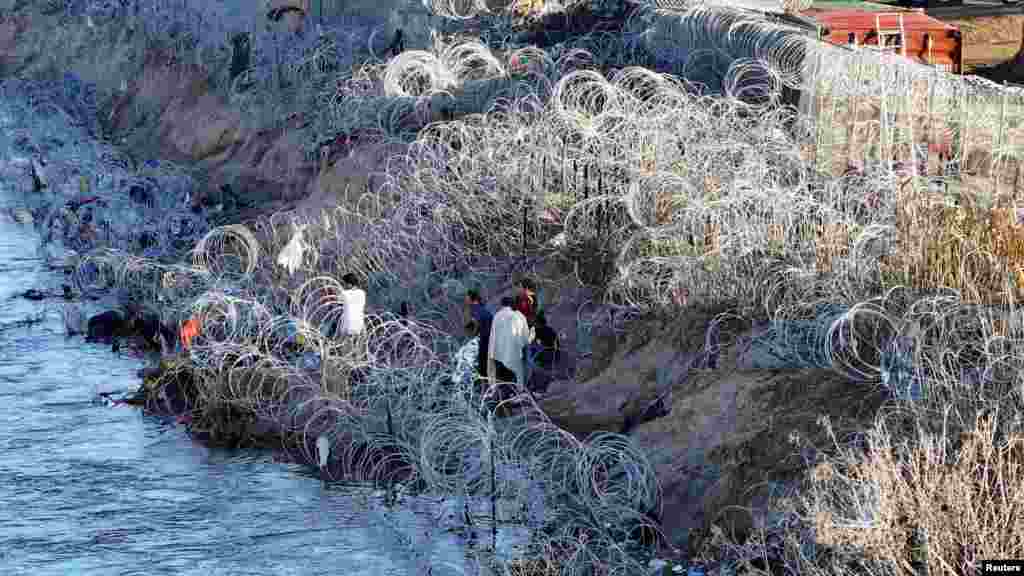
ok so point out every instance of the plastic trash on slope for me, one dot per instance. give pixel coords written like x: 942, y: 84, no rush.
x: 465, y: 361
x: 290, y: 257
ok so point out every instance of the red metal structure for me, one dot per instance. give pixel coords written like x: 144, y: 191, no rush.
x: 910, y: 33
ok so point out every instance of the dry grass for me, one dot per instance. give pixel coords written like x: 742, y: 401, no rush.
x: 939, y: 502
x: 958, y: 491
x: 989, y: 40
x: 922, y: 491
x: 969, y: 247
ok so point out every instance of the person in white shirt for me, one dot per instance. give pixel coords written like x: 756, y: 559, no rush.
x: 510, y: 335
x: 353, y: 298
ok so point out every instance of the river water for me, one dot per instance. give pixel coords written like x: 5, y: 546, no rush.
x: 87, y: 487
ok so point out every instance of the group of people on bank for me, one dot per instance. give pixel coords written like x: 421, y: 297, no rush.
x: 514, y: 338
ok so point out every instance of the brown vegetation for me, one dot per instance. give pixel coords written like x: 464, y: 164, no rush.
x: 989, y: 40
x: 734, y: 435
x: 963, y: 496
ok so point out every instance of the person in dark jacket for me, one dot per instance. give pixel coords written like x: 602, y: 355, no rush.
x: 483, y: 317
x: 546, y: 342
x: 398, y: 44
x: 545, y: 352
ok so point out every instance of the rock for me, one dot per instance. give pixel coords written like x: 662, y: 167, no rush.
x: 59, y: 257
x: 67, y: 220
x: 105, y: 326
x: 34, y: 294
x: 23, y: 216
x: 240, y: 54
x: 147, y: 239
x: 39, y: 181
x: 87, y: 233
x: 141, y: 195
x: 156, y: 335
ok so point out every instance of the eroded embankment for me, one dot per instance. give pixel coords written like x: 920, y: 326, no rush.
x: 290, y: 421
x: 87, y: 199
x: 257, y: 172
x: 719, y: 431
x: 195, y: 129
x: 722, y: 433
x: 169, y: 111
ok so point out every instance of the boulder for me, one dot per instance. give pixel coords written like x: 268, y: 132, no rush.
x: 141, y: 195
x: 105, y: 326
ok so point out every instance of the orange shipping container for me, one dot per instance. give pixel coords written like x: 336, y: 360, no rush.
x: 923, y: 38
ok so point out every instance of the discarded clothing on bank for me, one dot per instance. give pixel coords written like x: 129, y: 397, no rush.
x: 189, y: 330
x: 290, y: 257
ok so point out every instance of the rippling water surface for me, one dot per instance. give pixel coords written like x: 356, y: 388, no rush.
x: 90, y: 488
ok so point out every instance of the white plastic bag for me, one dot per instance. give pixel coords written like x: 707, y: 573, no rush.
x: 323, y: 450
x: 291, y: 256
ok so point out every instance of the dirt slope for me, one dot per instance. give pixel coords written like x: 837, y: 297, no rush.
x: 732, y: 434
x: 729, y: 429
